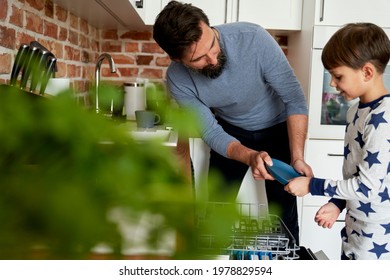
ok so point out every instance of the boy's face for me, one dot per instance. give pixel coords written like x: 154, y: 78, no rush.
x: 348, y: 81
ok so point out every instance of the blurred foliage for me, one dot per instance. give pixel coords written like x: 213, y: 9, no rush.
x: 64, y: 170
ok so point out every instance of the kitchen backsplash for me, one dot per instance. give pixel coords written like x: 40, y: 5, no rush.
x: 76, y: 45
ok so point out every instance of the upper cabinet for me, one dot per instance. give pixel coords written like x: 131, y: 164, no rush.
x: 104, y: 14
x: 218, y: 11
x: 141, y: 14
x: 275, y: 14
x: 338, y: 13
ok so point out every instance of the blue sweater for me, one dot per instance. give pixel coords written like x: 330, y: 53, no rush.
x: 257, y: 89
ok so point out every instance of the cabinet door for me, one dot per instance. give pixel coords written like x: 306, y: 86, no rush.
x: 317, y: 238
x: 326, y: 160
x: 147, y: 10
x: 217, y: 10
x: 336, y: 12
x: 276, y: 14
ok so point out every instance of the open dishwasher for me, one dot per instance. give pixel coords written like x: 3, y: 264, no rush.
x: 253, y: 234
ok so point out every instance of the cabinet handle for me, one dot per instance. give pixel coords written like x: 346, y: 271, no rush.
x: 322, y: 10
x: 226, y: 10
x: 335, y: 155
x: 139, y: 4
x: 238, y: 10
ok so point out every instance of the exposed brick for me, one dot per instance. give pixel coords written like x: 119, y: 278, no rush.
x: 73, y: 37
x: 56, y: 48
x: 76, y: 55
x: 3, y: 10
x: 84, y: 41
x: 112, y: 47
x: 63, y: 34
x: 144, y: 59
x: 16, y: 17
x: 7, y: 37
x: 68, y: 53
x: 23, y: 38
x: 36, y: 4
x: 85, y: 56
x: 152, y: 73
x: 163, y: 61
x: 84, y: 26
x: 128, y: 72
x: 105, y: 71
x: 89, y: 73
x: 74, y: 21
x: 123, y: 59
x: 61, y: 13
x: 50, y: 30
x: 71, y: 71
x: 49, y: 9
x: 34, y: 23
x: 135, y: 35
x: 151, y: 48
x: 110, y: 34
x: 131, y: 47
x: 44, y: 43
x: 95, y: 45
x: 5, y: 63
x: 282, y: 40
x: 80, y: 86
x: 61, y: 69
x: 78, y: 71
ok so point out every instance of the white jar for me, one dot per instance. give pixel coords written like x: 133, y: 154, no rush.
x: 135, y: 98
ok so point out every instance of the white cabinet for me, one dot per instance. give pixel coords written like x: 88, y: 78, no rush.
x: 218, y: 11
x: 147, y: 9
x: 318, y: 238
x: 336, y: 12
x: 326, y: 159
x: 275, y: 15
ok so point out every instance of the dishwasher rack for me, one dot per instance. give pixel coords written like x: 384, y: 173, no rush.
x: 253, y: 235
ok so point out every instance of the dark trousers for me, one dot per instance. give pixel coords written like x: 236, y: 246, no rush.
x: 273, y: 140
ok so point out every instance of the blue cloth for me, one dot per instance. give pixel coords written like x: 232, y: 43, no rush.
x: 257, y: 89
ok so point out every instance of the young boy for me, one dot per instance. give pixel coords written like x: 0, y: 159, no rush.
x: 356, y: 56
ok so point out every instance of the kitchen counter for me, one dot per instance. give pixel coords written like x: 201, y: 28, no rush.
x: 167, y: 135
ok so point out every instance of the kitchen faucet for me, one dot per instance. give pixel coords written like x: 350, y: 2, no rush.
x: 97, y: 74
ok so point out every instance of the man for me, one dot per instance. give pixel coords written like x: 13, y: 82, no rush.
x: 250, y: 103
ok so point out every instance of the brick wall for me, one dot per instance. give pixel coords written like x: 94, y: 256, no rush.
x: 76, y: 45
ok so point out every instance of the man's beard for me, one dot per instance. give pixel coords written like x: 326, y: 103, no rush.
x: 214, y: 71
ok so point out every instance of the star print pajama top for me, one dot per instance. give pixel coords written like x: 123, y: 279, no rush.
x: 365, y: 188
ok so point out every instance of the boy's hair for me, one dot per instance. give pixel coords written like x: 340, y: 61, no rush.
x: 177, y: 27
x: 356, y: 44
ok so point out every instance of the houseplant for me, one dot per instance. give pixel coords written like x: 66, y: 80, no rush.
x: 63, y: 171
